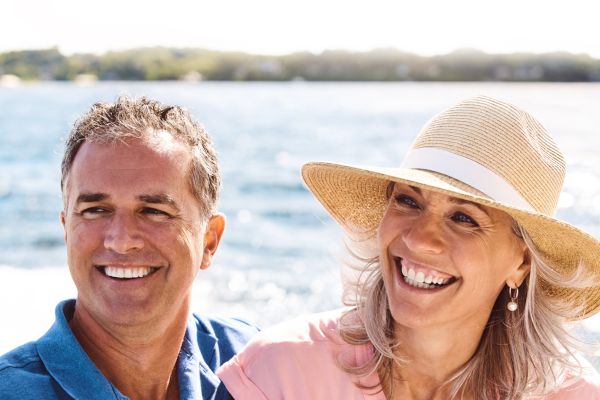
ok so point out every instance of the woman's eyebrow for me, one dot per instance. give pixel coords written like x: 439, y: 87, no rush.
x: 457, y: 200
x: 416, y: 189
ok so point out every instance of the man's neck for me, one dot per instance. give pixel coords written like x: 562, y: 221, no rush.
x: 139, y: 361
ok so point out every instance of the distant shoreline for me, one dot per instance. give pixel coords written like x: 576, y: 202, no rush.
x: 380, y: 65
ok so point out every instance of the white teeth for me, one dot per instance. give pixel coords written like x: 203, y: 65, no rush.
x: 420, y: 277
x: 127, y: 273
x: 420, y: 285
x: 416, y: 284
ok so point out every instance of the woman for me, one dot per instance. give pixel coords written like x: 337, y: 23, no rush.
x: 469, y: 282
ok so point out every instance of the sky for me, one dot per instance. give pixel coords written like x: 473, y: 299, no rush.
x: 283, y: 26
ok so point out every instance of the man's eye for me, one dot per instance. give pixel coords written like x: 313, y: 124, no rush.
x: 464, y: 218
x: 154, y: 211
x: 93, y: 211
x: 405, y: 200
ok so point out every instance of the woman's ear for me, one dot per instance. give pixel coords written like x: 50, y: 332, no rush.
x: 519, y: 274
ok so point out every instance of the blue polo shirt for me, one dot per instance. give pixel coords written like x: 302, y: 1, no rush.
x: 57, y: 367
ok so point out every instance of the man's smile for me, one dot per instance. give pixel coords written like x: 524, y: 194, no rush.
x: 126, y: 273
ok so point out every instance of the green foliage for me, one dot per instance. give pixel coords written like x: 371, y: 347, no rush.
x: 160, y: 63
x: 31, y: 64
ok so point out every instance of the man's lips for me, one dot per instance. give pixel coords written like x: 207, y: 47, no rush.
x: 422, y: 277
x: 124, y: 273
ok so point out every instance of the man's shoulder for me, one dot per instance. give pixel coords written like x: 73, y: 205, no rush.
x: 231, y: 334
x: 225, y: 327
x: 23, y: 375
x: 20, y: 358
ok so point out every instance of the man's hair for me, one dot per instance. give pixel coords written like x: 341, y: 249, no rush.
x: 129, y: 118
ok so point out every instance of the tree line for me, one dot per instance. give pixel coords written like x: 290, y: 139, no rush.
x: 162, y: 63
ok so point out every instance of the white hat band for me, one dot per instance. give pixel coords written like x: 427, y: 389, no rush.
x: 468, y: 171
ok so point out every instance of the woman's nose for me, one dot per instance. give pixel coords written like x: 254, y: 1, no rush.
x: 425, y: 235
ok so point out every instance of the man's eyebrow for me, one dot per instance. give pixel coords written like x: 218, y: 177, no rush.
x: 160, y: 198
x: 91, y: 197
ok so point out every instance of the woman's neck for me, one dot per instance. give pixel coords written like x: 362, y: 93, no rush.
x: 433, y: 356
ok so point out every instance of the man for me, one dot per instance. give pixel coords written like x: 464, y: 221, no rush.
x: 140, y: 182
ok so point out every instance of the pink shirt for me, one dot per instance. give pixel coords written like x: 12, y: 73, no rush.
x: 299, y: 360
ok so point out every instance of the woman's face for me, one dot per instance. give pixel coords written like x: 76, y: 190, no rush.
x: 445, y: 260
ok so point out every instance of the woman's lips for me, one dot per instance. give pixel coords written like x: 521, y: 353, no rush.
x: 422, y: 277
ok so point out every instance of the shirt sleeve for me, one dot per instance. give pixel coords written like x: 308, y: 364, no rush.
x: 237, y: 382
x: 280, y: 365
x: 297, y: 360
x: 270, y: 369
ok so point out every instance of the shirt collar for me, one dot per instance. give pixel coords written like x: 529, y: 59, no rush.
x: 75, y: 372
x: 198, y: 358
x: 68, y: 363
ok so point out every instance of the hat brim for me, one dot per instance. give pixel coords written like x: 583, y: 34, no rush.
x: 356, y: 198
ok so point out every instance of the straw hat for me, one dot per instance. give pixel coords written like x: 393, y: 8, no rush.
x: 482, y: 150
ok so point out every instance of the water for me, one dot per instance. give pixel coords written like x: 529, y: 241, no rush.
x: 278, y: 256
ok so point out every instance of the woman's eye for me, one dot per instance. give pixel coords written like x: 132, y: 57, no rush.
x: 405, y: 200
x: 464, y: 218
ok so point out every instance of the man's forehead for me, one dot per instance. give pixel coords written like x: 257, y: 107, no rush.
x: 148, y: 164
x: 161, y: 141
x: 159, y: 147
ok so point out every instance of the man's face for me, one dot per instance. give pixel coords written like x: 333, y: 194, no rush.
x: 134, y: 232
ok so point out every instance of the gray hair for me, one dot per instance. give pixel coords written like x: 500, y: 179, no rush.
x: 520, y: 354
x: 134, y: 118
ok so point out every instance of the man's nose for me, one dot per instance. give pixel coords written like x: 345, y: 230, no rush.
x: 122, y: 234
x: 425, y: 235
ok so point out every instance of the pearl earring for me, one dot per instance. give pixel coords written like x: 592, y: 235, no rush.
x: 513, y: 293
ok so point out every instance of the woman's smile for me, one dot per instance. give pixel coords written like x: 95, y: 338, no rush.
x: 421, y: 276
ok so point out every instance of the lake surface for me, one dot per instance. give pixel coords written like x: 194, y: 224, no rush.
x: 278, y: 256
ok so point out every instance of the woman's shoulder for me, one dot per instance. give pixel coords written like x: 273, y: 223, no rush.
x: 311, y: 332
x: 584, y: 385
x: 297, y: 359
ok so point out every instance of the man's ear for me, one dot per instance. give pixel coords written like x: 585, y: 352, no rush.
x: 212, y: 236
x: 63, y: 221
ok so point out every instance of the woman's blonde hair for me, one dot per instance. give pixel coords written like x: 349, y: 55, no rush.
x: 521, y: 354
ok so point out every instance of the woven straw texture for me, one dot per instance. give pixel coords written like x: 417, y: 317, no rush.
x: 504, y: 139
